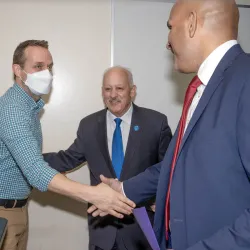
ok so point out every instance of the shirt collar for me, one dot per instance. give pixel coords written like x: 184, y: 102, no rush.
x: 125, y: 118
x: 208, y: 67
x: 28, y: 99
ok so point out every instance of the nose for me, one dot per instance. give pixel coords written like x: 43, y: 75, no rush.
x: 113, y: 93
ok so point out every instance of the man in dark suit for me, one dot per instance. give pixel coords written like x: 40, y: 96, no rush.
x: 207, y: 165
x: 119, y: 151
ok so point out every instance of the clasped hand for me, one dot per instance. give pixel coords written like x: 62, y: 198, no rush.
x: 110, y: 199
x: 115, y: 204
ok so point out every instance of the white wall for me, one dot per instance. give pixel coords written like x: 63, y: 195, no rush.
x: 139, y: 37
x: 79, y: 35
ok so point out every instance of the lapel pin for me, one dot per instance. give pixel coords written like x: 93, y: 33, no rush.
x: 136, y: 128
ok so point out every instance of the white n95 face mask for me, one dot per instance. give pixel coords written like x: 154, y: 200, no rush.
x: 39, y: 83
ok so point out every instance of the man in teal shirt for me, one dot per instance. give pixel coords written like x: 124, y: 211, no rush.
x: 21, y: 162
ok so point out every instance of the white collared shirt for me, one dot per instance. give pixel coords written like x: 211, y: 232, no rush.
x: 125, y: 128
x: 205, y: 73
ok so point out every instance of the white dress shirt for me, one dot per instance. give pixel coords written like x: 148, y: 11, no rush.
x: 205, y: 73
x: 125, y: 128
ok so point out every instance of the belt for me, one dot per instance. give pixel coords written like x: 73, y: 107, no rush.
x: 13, y: 203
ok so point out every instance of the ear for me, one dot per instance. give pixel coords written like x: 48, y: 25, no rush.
x: 133, y: 92
x: 192, y: 23
x: 16, y: 70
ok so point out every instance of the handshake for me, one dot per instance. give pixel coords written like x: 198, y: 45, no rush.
x: 109, y: 199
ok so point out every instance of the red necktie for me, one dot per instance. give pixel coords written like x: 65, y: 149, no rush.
x: 194, y: 84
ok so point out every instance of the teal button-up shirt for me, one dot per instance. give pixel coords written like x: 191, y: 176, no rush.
x: 21, y: 160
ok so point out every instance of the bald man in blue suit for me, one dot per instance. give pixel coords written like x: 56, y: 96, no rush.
x: 209, y: 195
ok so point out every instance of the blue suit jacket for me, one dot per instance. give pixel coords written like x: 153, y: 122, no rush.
x: 210, y: 193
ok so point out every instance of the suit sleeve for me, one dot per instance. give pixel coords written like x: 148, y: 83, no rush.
x: 236, y: 236
x: 71, y: 158
x: 143, y: 186
x: 165, y: 138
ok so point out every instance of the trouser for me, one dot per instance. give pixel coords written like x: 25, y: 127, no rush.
x: 119, y: 245
x: 17, y: 229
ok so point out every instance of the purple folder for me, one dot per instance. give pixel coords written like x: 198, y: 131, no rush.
x: 145, y: 224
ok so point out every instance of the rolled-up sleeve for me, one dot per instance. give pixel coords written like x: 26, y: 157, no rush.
x: 20, y: 140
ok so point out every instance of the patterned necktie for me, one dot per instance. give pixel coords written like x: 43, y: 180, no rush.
x: 117, y: 149
x: 192, y: 88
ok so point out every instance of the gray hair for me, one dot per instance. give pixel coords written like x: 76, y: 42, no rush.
x: 127, y: 71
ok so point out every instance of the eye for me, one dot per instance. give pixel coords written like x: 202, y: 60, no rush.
x: 38, y: 67
x: 169, y: 26
x: 50, y: 68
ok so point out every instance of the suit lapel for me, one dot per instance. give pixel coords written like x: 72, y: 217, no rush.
x: 133, y: 140
x: 208, y: 93
x: 103, y: 141
x: 214, y: 82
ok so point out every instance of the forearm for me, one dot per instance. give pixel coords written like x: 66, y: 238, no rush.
x: 61, y: 161
x: 66, y: 160
x: 62, y: 185
x: 143, y: 186
x: 102, y: 196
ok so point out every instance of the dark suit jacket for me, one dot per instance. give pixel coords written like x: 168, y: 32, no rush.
x: 210, y: 193
x: 145, y: 147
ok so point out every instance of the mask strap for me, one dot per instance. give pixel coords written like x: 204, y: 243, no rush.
x: 24, y: 71
x: 21, y: 77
